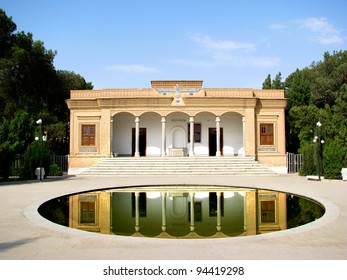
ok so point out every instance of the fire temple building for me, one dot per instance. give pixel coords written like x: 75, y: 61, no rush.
x: 177, y: 119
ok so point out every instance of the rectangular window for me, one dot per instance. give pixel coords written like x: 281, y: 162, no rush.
x: 266, y: 134
x: 87, y: 212
x: 268, y: 211
x: 88, y: 135
x: 197, y: 132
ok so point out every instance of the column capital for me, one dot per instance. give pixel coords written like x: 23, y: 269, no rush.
x: 137, y: 119
x: 191, y: 119
x: 163, y: 119
x: 217, y: 118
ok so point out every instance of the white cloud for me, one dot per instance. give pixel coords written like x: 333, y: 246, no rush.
x: 265, y: 61
x: 324, y: 32
x: 229, y: 53
x: 132, y: 68
x: 192, y: 63
x: 278, y: 26
x: 220, y: 45
x: 252, y: 60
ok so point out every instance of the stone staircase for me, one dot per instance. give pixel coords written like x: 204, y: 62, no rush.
x: 177, y: 166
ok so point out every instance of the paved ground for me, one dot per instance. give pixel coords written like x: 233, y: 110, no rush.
x: 24, y: 234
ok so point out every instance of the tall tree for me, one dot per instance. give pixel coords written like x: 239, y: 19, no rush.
x: 277, y: 82
x: 267, y: 83
x: 7, y: 27
x: 298, y: 88
x: 31, y: 88
x: 319, y: 93
x: 328, y: 76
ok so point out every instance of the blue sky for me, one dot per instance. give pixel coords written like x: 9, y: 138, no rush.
x: 225, y: 43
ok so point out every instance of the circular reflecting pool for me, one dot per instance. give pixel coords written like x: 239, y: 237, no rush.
x: 182, y: 211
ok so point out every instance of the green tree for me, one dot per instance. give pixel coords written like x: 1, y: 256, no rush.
x: 277, y: 82
x: 31, y: 88
x: 7, y: 27
x: 334, y: 156
x: 36, y: 152
x: 309, y: 166
x: 319, y: 93
x: 67, y: 80
x: 328, y: 76
x: 15, y: 135
x: 267, y: 83
x: 27, y: 76
x: 298, y: 89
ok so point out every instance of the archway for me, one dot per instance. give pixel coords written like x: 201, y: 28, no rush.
x: 151, y: 123
x: 232, y: 134
x: 122, y: 134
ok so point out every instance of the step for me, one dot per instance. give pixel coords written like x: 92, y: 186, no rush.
x: 173, y: 166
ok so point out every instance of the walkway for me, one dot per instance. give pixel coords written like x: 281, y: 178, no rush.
x: 24, y: 234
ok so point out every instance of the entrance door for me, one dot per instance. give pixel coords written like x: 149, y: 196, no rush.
x: 212, y: 141
x: 142, y: 141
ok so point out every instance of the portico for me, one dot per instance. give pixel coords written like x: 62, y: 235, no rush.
x: 177, y: 134
x: 176, y: 118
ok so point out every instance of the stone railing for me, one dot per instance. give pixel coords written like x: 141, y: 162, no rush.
x: 178, y: 152
x: 229, y: 92
x: 149, y: 92
x: 269, y: 93
x: 112, y: 93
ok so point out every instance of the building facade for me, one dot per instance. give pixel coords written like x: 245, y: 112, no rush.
x: 177, y: 118
x: 179, y: 213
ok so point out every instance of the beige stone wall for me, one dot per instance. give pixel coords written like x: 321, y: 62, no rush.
x: 97, y: 107
x: 102, y: 204
x: 280, y: 212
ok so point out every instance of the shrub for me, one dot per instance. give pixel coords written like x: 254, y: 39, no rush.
x: 32, y: 158
x: 17, y: 171
x: 54, y: 170
x: 308, y: 167
x: 334, y: 158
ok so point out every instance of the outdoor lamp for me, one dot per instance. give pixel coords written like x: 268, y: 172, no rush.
x: 317, y: 139
x: 39, y: 122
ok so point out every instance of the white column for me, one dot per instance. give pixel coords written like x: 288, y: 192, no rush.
x: 104, y: 133
x: 244, y: 212
x: 243, y: 137
x: 218, y: 152
x: 219, y: 212
x: 137, y: 136
x: 250, y: 133
x: 191, y: 136
x: 192, y: 218
x: 137, y: 211
x: 111, y: 136
x: 163, y: 136
x: 163, y: 211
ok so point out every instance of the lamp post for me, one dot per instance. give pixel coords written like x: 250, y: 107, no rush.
x: 317, y: 139
x: 39, y: 122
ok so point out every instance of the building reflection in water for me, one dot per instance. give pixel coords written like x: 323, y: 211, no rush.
x: 179, y: 212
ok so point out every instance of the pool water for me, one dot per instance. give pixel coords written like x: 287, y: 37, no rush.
x: 182, y: 211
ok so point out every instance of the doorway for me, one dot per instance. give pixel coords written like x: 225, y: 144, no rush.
x: 142, y: 141
x: 212, y: 141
